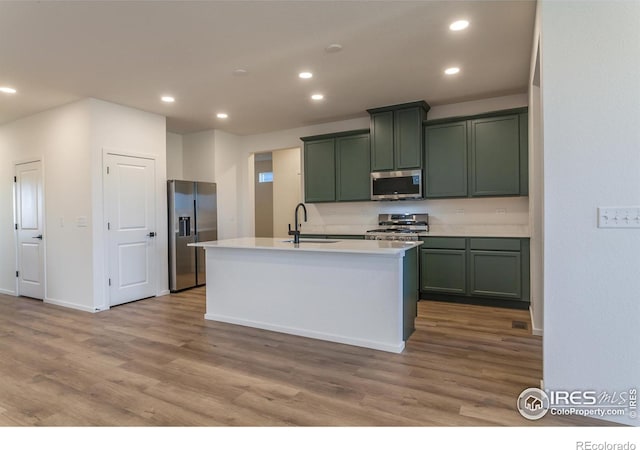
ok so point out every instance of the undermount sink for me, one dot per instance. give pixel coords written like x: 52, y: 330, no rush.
x: 312, y: 241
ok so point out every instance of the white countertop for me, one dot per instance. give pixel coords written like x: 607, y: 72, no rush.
x: 383, y: 248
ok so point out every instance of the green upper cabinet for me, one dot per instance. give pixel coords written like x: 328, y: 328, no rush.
x: 479, y: 156
x: 336, y: 167
x: 495, y: 156
x: 353, y: 169
x: 446, y: 160
x: 382, y: 141
x: 320, y: 171
x: 524, y: 153
x: 408, y: 137
x: 396, y: 136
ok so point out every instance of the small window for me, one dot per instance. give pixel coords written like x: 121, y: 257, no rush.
x: 265, y: 177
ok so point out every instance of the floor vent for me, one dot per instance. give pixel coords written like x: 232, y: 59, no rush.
x: 520, y: 325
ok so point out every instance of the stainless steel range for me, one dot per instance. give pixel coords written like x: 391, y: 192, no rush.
x: 399, y: 227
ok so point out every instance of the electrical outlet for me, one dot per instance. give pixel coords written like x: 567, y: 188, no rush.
x: 619, y: 217
x: 459, y: 211
x: 501, y: 211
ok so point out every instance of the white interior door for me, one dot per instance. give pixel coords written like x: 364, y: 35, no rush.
x: 30, y: 229
x: 130, y: 214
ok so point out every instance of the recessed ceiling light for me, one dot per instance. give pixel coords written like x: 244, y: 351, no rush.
x: 305, y: 75
x: 240, y: 72
x: 7, y: 90
x: 333, y: 48
x: 452, y: 70
x: 459, y: 25
x: 317, y: 97
x: 168, y: 99
x: 222, y: 115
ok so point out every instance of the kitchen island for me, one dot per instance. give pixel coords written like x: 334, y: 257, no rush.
x: 361, y: 293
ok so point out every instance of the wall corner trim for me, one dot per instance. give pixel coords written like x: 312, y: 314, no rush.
x: 536, y: 331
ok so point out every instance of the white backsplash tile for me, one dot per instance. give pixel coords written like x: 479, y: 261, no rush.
x: 500, y: 216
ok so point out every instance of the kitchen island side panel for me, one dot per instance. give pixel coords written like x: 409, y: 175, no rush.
x: 349, y: 298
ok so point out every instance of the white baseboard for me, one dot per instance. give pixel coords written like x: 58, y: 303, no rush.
x: 393, y: 348
x: 535, y: 330
x: 7, y: 292
x: 71, y: 305
x: 163, y: 293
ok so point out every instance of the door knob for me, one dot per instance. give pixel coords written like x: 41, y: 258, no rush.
x: 152, y: 234
x: 38, y: 237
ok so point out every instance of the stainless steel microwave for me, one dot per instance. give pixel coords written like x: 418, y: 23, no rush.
x: 396, y: 185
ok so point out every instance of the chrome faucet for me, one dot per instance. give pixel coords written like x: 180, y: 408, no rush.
x: 296, y: 232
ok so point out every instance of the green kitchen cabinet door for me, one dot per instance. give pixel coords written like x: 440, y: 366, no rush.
x: 446, y: 160
x: 495, y: 156
x: 443, y: 271
x: 408, y: 138
x: 353, y: 168
x: 410, y: 294
x: 319, y: 171
x: 382, y: 141
x: 495, y: 274
x: 524, y: 153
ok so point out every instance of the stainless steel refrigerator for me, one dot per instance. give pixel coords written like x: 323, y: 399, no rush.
x: 193, y: 217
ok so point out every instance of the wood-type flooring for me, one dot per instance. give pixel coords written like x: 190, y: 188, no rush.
x: 157, y: 362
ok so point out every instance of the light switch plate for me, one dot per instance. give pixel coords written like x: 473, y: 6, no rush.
x: 619, y: 217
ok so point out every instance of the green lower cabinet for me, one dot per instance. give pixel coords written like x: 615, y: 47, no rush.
x: 410, y: 291
x: 484, y: 270
x: 443, y: 271
x: 495, y: 274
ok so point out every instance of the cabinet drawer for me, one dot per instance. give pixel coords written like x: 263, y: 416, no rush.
x: 444, y: 242
x: 499, y: 244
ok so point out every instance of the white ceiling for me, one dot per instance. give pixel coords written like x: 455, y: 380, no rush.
x: 131, y: 53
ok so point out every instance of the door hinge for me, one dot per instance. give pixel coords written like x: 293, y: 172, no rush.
x: 109, y: 281
x: 17, y: 274
x: 108, y: 226
x: 107, y: 170
x: 15, y: 179
x: 16, y: 226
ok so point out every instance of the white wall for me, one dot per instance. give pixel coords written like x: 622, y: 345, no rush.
x: 128, y: 131
x: 70, y: 140
x: 536, y: 185
x: 235, y: 213
x: 591, y: 98
x: 60, y: 137
x: 215, y: 156
x: 175, y: 169
x: 287, y: 188
x: 198, y: 156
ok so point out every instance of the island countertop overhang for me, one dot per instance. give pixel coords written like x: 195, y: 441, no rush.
x: 394, y: 249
